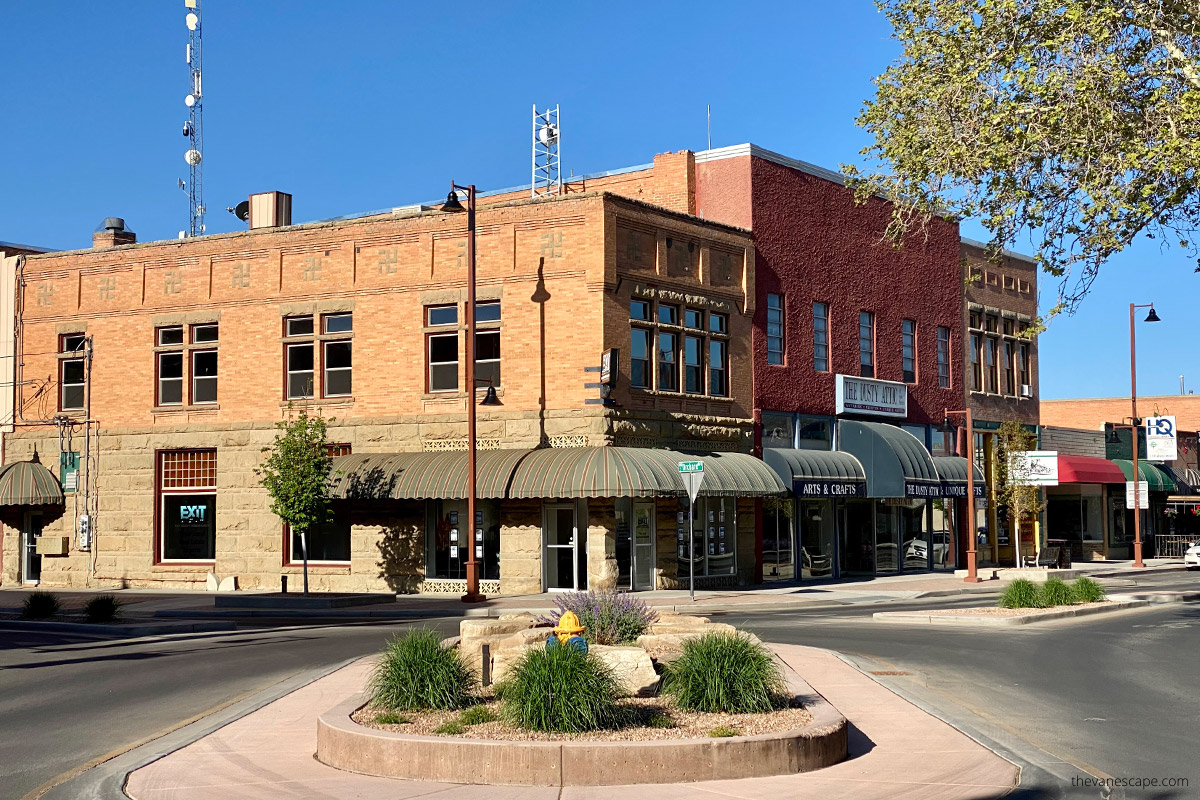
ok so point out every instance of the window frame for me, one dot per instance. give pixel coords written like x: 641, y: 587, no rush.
x: 647, y: 362
x: 1009, y: 382
x: 289, y: 372
x: 908, y: 351
x: 69, y: 358
x: 976, y: 351
x: 326, y: 369
x: 163, y: 492
x: 943, y: 357
x: 722, y: 371
x: 866, y: 345
x: 660, y: 371
x: 821, y: 363
x: 690, y: 369
x: 430, y: 363
x: 776, y: 342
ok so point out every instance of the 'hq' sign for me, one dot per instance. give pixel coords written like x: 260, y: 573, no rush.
x: 869, y: 396
x: 1161, y: 440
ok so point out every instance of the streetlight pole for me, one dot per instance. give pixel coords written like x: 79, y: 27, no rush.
x: 473, y: 594
x: 972, y: 554
x: 1135, y: 424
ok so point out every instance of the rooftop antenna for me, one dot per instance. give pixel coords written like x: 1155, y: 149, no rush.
x: 547, y: 177
x: 709, y: 107
x: 193, y: 128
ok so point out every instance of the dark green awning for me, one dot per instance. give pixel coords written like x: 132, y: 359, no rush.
x: 1156, y: 480
x: 953, y: 472
x: 818, y: 473
x: 896, y: 462
x: 417, y: 476
x: 29, y: 483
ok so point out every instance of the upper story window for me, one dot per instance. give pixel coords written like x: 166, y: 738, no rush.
x: 666, y: 358
x: 170, y: 366
x: 999, y: 357
x: 1010, y: 370
x: 442, y: 346
x: 866, y: 344
x: 1023, y: 356
x: 908, y: 348
x: 487, y: 344
x: 203, y: 358
x: 72, y: 372
x: 943, y: 357
x: 821, y: 337
x: 976, y: 362
x: 441, y: 315
x: 775, y: 333
x: 318, y: 346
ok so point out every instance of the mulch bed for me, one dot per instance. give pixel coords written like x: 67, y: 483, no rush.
x: 639, y: 710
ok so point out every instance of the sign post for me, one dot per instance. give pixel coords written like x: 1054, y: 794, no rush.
x: 692, y: 473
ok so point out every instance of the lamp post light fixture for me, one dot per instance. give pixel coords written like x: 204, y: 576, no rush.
x: 972, y: 553
x: 454, y: 205
x: 1135, y: 424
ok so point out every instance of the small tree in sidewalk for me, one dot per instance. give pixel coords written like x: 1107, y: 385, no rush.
x: 296, y: 473
x: 1015, y: 490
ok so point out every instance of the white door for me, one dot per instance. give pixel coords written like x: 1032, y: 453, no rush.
x: 643, y: 546
x: 564, y: 554
x: 31, y: 562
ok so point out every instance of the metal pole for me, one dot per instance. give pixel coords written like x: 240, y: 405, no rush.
x: 1133, y: 430
x: 473, y: 595
x: 691, y: 552
x: 972, y: 555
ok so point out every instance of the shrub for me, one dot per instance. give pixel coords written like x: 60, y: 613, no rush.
x: 477, y: 715
x: 723, y: 731
x: 560, y: 689
x: 1088, y: 591
x: 40, y: 605
x: 1056, y: 593
x: 451, y: 728
x: 102, y: 608
x: 1021, y: 593
x: 718, y: 672
x: 390, y: 718
x: 607, y: 617
x: 417, y: 672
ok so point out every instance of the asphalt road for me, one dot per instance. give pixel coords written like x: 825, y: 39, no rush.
x: 66, y: 700
x: 1112, y: 695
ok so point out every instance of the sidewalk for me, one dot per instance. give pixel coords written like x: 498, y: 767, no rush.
x: 896, y: 750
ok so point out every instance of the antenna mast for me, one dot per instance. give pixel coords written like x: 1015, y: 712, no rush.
x: 547, y: 178
x: 193, y: 129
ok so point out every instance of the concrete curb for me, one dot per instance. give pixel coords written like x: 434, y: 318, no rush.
x: 117, y: 631
x: 1158, y: 598
x: 917, y: 618
x: 106, y: 781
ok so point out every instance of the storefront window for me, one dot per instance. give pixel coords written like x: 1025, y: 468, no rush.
x: 188, y: 505
x: 777, y: 430
x: 944, y: 527
x: 816, y: 538
x: 814, y: 433
x: 715, y: 537
x: 915, y: 536
x: 858, y: 537
x: 448, y: 536
x: 778, y: 563
x: 329, y: 542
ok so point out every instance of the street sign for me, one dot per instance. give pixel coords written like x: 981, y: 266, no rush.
x: 1143, y: 491
x: 1161, y: 441
x: 691, y: 466
x: 1034, y: 467
x: 692, y: 473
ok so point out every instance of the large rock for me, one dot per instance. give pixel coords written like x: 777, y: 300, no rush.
x: 474, y: 627
x: 521, y: 639
x: 667, y: 647
x: 504, y: 658
x: 472, y: 650
x: 631, y: 665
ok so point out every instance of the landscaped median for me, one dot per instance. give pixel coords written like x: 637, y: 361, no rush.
x: 1023, y: 602
x: 583, y: 710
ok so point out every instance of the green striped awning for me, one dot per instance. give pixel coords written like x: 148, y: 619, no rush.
x: 418, y: 476
x: 28, y: 483
x: 1156, y: 480
x: 637, y: 472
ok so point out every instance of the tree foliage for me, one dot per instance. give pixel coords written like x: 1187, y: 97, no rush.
x: 1013, y: 488
x: 1074, y: 122
x: 296, y: 471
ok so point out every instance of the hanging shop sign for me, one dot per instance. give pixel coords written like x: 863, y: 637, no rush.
x: 1161, y: 440
x: 870, y: 397
x: 1034, y: 467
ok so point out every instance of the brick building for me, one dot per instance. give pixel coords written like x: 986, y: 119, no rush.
x: 1000, y: 365
x: 152, y: 375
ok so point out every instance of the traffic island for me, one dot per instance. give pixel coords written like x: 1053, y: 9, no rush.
x: 1003, y: 617
x: 820, y: 741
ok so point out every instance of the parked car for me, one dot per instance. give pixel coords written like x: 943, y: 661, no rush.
x: 1191, y: 556
x: 918, y: 549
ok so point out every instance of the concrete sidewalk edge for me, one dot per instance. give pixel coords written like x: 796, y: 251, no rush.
x: 106, y: 781
x: 918, y: 618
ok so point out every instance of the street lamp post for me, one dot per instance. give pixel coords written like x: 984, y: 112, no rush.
x: 1135, y: 423
x: 972, y: 554
x: 473, y: 594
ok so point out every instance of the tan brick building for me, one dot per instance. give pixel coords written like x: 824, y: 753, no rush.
x: 160, y: 369
x: 1000, y: 370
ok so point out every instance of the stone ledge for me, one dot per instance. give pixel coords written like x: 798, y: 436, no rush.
x: 344, y: 744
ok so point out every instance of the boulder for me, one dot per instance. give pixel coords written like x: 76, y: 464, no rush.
x: 521, y: 639
x: 631, y: 665
x: 519, y: 616
x: 505, y: 657
x: 473, y: 627
x: 472, y: 649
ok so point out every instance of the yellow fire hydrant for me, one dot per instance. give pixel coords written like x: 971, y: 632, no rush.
x: 568, y: 632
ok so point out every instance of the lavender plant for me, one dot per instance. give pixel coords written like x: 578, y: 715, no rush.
x: 608, y: 617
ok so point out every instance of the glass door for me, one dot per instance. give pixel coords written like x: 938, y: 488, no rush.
x: 887, y: 539
x: 31, y: 562
x: 778, y: 560
x: 643, y: 546
x: 564, y: 556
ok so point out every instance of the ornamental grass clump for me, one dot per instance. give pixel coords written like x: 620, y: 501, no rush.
x: 102, y: 608
x: 560, y: 689
x: 40, y: 605
x: 417, y: 672
x: 719, y: 672
x: 1056, y: 593
x: 607, y: 617
x: 1021, y: 593
x: 1088, y: 591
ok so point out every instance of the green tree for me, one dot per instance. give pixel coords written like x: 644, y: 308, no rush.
x: 1075, y: 123
x: 296, y: 473
x: 1014, y: 491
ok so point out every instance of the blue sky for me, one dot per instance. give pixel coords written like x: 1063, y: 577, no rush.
x: 365, y: 104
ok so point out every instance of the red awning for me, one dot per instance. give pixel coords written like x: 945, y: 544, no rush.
x: 1086, y: 469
